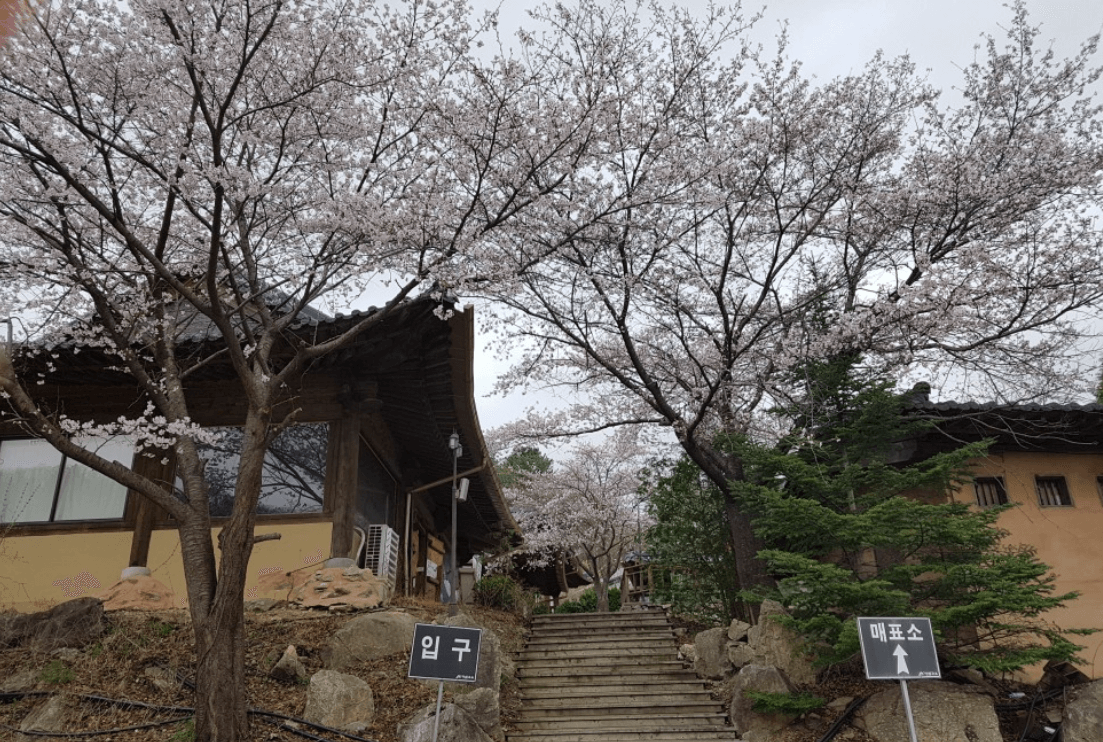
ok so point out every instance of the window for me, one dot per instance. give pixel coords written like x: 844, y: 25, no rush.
x: 294, y: 470
x: 1052, y: 492
x: 40, y: 485
x: 990, y: 491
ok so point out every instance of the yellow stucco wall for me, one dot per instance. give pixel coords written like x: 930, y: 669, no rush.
x: 1068, y: 539
x: 39, y: 571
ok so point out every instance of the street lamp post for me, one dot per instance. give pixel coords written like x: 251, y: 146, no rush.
x: 457, y: 451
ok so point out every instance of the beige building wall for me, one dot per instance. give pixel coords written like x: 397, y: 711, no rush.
x: 1068, y: 539
x: 39, y: 571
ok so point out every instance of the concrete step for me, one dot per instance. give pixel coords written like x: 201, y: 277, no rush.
x: 660, y: 672
x: 597, y: 651
x: 643, y: 689
x: 611, y: 678
x: 653, y: 723
x: 555, y: 679
x: 569, y: 636
x: 625, y: 735
x: 623, y: 709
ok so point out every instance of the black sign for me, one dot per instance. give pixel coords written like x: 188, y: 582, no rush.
x: 898, y: 648
x: 445, y: 653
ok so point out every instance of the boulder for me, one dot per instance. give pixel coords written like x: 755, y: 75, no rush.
x: 74, y: 623
x: 493, y: 664
x: 369, y: 637
x: 54, y: 715
x: 750, y: 724
x: 456, y: 725
x: 712, y: 653
x: 1083, y: 719
x: 943, y: 711
x: 740, y: 655
x: 289, y: 668
x: 737, y: 630
x: 775, y: 645
x: 483, y: 706
x: 339, y: 701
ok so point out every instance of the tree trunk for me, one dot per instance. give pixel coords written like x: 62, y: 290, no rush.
x: 221, y: 705
x: 722, y: 469
x: 221, y: 709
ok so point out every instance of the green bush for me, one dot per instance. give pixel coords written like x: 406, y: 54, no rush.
x: 499, y: 591
x: 587, y: 602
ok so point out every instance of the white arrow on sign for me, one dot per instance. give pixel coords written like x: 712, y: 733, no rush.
x: 900, y: 654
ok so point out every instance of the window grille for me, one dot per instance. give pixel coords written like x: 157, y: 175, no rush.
x: 1052, y: 492
x: 990, y: 491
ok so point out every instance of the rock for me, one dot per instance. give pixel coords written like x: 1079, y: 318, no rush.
x: 288, y: 668
x: 688, y: 653
x: 943, y: 711
x: 776, y: 646
x: 493, y: 664
x: 369, y: 637
x: 749, y: 723
x: 262, y: 605
x: 52, y: 716
x: 1083, y: 718
x: 455, y: 726
x: 737, y: 630
x: 138, y: 592
x: 338, y: 700
x: 740, y: 655
x: 163, y: 678
x: 348, y: 587
x: 20, y: 681
x: 483, y: 706
x: 74, y: 623
x: 66, y: 654
x: 712, y: 653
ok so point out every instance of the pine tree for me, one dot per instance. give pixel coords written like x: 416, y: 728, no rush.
x: 853, y: 533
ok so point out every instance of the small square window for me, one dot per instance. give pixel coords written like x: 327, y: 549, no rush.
x: 990, y: 491
x: 1053, y: 492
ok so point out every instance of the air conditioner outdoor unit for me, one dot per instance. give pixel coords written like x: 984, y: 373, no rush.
x: 381, y: 553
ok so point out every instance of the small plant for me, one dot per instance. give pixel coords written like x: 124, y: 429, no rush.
x: 95, y: 650
x: 186, y: 732
x: 790, y: 704
x: 57, y: 673
x: 161, y: 629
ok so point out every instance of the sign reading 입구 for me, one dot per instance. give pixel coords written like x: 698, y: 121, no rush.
x: 898, y: 648
x: 445, y: 653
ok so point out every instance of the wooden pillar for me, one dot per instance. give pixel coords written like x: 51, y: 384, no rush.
x: 342, y: 467
x: 146, y: 513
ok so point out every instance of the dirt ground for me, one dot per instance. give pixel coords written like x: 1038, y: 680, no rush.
x: 139, y: 644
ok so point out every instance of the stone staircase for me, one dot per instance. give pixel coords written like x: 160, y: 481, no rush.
x: 611, y: 677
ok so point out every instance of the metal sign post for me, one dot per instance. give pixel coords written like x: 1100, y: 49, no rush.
x: 457, y: 661
x: 899, y: 649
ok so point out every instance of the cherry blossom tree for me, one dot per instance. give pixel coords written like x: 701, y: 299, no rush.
x: 586, y: 507
x: 746, y: 217
x: 173, y: 171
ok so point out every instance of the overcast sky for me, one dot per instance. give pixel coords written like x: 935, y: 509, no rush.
x: 836, y: 37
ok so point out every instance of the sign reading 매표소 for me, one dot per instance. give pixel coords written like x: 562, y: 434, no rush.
x: 445, y: 653
x: 898, y: 648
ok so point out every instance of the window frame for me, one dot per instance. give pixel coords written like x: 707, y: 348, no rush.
x: 120, y: 522
x: 323, y: 514
x: 1001, y: 491
x: 1062, y: 486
